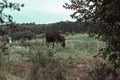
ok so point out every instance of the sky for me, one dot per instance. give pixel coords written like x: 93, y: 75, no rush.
x: 41, y: 11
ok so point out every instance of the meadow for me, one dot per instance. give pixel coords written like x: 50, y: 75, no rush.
x: 78, y: 47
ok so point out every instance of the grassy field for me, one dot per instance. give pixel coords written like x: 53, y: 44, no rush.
x: 77, y: 46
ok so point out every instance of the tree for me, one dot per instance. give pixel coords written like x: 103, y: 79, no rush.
x: 4, y: 4
x: 104, y: 17
x: 7, y: 19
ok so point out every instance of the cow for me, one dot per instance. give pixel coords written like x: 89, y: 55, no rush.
x: 55, y: 37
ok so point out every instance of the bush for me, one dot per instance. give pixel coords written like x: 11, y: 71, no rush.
x: 22, y: 35
x: 46, y: 67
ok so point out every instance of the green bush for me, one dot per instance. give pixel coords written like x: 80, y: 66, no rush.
x: 22, y: 35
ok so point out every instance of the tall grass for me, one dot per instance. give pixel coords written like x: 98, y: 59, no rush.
x: 79, y: 45
x: 52, y: 63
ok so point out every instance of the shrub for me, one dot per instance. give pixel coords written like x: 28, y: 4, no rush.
x: 47, y: 67
x: 22, y: 35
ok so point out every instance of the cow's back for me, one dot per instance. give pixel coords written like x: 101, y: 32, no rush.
x: 51, y: 37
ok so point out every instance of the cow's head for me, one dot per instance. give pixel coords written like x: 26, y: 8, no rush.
x: 62, y: 37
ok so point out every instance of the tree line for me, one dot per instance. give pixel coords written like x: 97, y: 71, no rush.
x: 64, y: 27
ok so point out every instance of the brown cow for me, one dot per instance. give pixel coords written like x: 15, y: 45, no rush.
x: 55, y: 37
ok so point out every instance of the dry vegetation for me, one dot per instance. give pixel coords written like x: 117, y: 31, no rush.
x: 33, y: 60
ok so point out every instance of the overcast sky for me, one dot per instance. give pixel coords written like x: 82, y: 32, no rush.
x: 41, y: 11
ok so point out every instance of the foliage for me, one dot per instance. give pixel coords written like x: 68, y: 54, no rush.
x: 67, y: 26
x: 95, y: 10
x: 22, y: 35
x: 48, y: 67
x: 62, y: 27
x: 4, y: 4
x: 7, y: 19
x: 104, y: 18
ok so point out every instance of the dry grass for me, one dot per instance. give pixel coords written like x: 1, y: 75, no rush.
x: 79, y: 47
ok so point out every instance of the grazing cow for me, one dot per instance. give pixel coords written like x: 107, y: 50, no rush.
x: 55, y: 37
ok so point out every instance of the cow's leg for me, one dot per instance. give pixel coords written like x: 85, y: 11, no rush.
x: 63, y: 44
